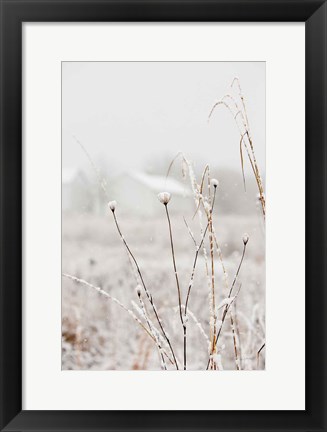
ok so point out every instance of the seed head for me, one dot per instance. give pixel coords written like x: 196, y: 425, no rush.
x: 112, y: 205
x: 214, y: 182
x: 164, y: 197
x: 138, y: 290
x: 245, y: 238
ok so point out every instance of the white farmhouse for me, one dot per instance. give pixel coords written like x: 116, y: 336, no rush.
x: 138, y: 191
x: 76, y: 193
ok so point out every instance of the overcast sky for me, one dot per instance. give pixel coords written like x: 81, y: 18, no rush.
x: 128, y: 114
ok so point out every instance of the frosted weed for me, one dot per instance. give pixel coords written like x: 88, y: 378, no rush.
x: 173, y: 353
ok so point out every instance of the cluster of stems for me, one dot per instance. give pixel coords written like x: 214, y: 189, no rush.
x: 236, y: 106
x: 238, y: 110
x: 148, y: 294
x: 183, y: 317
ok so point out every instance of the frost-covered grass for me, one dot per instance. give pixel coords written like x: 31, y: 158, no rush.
x: 172, y: 290
x: 98, y: 334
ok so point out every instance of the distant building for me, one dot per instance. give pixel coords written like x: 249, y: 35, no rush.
x: 137, y: 192
x: 76, y: 191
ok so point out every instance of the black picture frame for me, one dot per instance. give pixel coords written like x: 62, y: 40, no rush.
x: 13, y: 14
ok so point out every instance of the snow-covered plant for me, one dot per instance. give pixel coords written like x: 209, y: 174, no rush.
x: 221, y: 299
x: 164, y: 197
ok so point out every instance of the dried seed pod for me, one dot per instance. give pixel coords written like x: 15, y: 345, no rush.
x: 112, y: 205
x: 138, y: 290
x: 214, y: 182
x: 164, y: 197
x: 245, y: 238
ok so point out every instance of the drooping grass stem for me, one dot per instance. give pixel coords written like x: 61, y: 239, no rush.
x: 239, y: 110
x: 147, y: 319
x: 110, y: 297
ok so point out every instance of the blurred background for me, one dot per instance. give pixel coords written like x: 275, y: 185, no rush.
x: 122, y: 125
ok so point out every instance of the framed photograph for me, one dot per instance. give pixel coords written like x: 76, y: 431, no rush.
x: 163, y: 215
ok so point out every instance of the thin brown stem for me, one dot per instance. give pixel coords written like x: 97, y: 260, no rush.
x: 149, y: 296
x: 238, y: 270
x: 201, y: 189
x: 255, y: 170
x: 110, y: 297
x: 238, y: 334
x: 258, y: 354
x: 177, y: 282
x: 213, y: 297
x: 143, y: 308
x: 229, y: 295
x: 234, y: 341
x: 227, y: 307
x: 198, y: 248
x: 244, y: 130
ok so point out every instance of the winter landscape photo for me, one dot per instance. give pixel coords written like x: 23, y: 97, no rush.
x: 163, y: 216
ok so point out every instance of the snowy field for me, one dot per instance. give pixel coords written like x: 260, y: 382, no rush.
x: 130, y: 131
x: 97, y: 334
